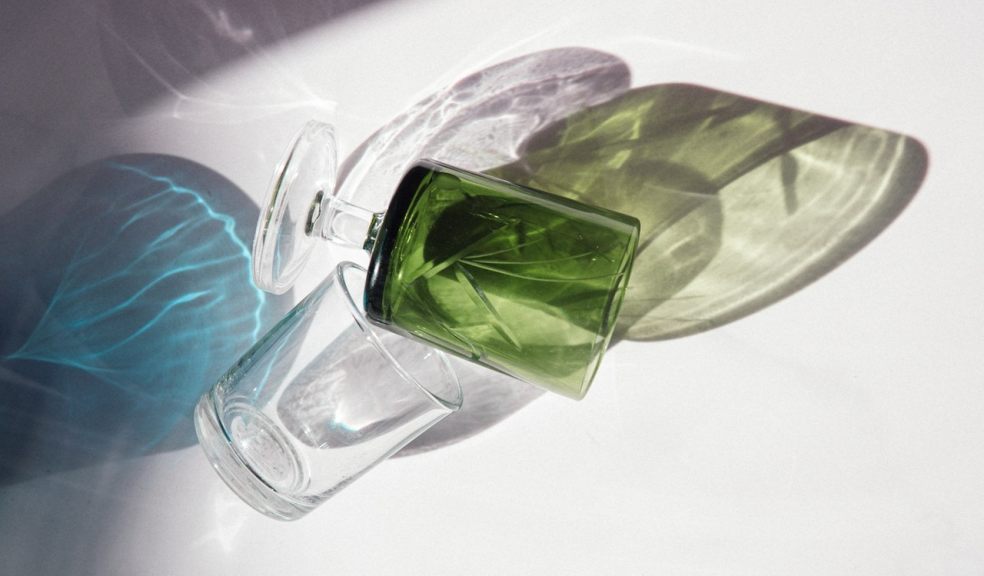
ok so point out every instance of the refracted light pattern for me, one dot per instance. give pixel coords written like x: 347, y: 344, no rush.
x: 155, y: 301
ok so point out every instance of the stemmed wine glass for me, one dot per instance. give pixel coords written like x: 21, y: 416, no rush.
x: 516, y: 279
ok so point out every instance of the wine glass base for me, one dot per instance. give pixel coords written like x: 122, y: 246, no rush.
x: 302, y: 185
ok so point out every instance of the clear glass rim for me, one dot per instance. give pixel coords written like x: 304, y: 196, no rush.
x: 450, y: 403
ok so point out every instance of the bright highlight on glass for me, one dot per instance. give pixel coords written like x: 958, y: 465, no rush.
x: 320, y: 400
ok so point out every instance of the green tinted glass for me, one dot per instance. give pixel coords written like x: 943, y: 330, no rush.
x: 522, y: 281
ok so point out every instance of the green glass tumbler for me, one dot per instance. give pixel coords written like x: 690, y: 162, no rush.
x: 518, y: 280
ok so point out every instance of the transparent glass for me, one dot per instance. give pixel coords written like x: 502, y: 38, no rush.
x: 516, y: 279
x: 320, y: 400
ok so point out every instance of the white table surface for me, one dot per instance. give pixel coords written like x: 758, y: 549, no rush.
x: 838, y: 431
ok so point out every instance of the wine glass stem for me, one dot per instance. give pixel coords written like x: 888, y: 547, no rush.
x: 343, y: 223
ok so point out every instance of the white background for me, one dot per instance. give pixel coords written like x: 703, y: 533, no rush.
x: 838, y: 431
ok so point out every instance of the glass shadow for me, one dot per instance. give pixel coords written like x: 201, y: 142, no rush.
x: 127, y: 292
x: 742, y: 202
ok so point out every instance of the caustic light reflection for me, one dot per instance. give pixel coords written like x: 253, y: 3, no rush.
x: 99, y: 311
x: 151, y: 300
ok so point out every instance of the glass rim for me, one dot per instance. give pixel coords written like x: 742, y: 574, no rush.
x: 451, y: 404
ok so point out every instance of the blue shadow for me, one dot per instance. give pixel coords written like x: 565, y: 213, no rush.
x: 126, y: 293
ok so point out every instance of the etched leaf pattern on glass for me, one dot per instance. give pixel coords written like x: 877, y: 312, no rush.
x: 507, y: 276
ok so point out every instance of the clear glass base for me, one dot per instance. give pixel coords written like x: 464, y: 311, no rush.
x: 234, y: 470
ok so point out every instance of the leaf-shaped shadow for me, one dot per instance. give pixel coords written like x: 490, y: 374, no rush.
x: 128, y: 290
x: 742, y: 202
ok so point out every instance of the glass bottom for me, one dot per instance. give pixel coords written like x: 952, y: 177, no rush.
x: 521, y: 281
x: 236, y: 473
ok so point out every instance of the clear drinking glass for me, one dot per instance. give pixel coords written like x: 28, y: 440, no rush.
x: 320, y: 400
x: 522, y: 281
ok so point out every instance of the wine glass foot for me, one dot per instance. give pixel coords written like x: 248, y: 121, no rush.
x: 287, y: 230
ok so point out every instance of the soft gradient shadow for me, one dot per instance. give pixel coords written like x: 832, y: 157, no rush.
x: 127, y: 293
x: 742, y: 202
x: 157, y: 48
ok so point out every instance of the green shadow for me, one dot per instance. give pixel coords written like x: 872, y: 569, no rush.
x: 742, y: 202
